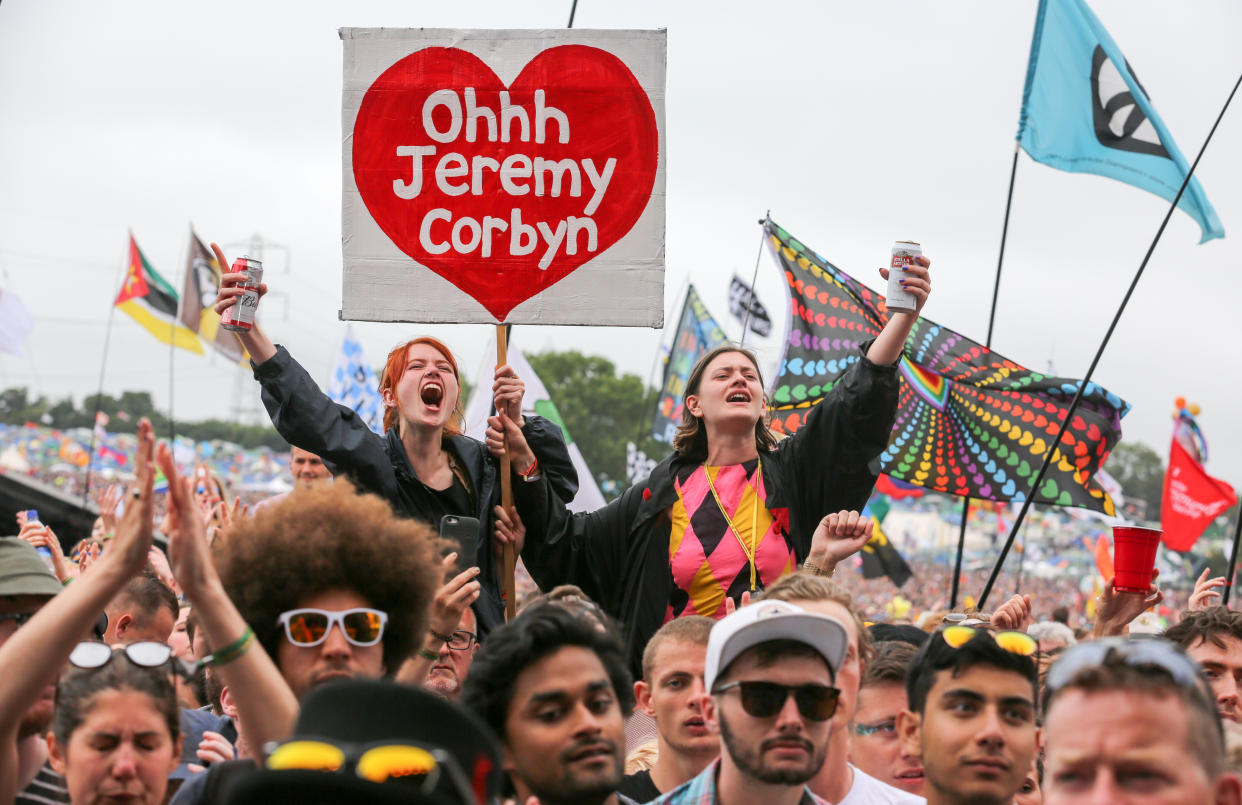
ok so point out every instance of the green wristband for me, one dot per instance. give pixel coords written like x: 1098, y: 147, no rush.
x: 232, y: 651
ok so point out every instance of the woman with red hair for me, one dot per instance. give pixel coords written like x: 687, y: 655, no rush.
x: 423, y: 465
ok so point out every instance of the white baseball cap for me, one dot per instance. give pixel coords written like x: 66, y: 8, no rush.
x: 772, y: 620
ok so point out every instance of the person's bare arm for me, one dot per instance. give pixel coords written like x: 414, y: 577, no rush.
x: 886, y: 348
x: 459, y: 591
x: 1114, y: 610
x: 265, y: 703
x: 34, y: 655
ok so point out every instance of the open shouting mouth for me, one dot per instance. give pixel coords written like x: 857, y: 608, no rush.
x: 432, y: 394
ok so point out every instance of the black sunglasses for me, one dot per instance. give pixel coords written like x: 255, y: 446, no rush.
x: 765, y: 699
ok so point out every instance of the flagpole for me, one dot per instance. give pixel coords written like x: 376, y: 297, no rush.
x: 1233, y: 558
x: 103, y: 363
x: 172, y: 349
x: 961, y: 548
x: 1000, y: 261
x: 1099, y: 353
x: 650, y: 425
x: 754, y: 277
x: 508, y: 582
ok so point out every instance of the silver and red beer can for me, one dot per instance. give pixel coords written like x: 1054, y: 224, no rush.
x: 241, y: 315
x: 898, y: 298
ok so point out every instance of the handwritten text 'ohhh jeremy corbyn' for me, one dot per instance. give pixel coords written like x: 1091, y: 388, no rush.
x: 517, y: 175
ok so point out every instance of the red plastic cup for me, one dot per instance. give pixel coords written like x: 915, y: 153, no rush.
x: 1134, y: 558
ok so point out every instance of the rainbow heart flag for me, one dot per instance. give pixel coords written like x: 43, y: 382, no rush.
x: 969, y: 421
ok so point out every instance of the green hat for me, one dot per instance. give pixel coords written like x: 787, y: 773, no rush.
x: 22, y: 571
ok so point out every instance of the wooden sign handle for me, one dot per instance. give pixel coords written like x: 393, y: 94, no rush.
x: 507, y: 583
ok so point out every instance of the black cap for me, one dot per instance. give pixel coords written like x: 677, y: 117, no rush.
x: 370, y: 711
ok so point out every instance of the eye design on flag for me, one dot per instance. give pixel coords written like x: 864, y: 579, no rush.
x: 207, y: 284
x: 1120, y: 121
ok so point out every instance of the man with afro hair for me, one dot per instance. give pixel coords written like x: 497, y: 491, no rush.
x: 333, y: 584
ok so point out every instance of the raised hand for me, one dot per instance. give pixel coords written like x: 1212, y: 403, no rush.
x: 87, y: 555
x: 917, y: 281
x: 129, y: 548
x: 230, y: 283
x: 1115, y: 609
x: 838, y: 536
x: 188, y: 552
x: 1013, y: 615
x: 109, y: 500
x: 162, y: 569
x: 731, y: 605
x: 507, y: 391
x: 1205, y: 594
x: 521, y: 457
x: 214, y: 748
x: 42, y: 536
x: 457, y: 593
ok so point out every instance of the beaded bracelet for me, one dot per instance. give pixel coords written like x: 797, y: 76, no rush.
x: 443, y: 638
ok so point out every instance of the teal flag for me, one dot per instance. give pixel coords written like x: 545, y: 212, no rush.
x: 1083, y: 110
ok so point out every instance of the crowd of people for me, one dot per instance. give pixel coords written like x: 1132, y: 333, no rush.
x: 700, y: 640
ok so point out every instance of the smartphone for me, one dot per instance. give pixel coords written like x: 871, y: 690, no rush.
x: 463, y: 532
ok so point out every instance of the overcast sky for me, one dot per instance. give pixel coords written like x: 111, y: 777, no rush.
x: 855, y: 123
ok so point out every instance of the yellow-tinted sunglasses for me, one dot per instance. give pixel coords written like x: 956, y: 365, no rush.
x: 407, y: 763
x: 1014, y: 642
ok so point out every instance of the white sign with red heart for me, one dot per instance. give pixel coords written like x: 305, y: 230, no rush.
x: 504, y: 176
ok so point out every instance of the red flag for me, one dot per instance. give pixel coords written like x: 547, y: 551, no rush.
x: 887, y: 485
x: 1192, y: 498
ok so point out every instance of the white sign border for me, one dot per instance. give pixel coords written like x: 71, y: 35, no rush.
x: 624, y: 286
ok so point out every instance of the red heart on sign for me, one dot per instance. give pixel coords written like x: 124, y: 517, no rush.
x: 497, y: 239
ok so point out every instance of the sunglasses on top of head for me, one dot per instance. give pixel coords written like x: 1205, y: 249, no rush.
x: 91, y: 655
x: 1019, y: 643
x: 310, y: 627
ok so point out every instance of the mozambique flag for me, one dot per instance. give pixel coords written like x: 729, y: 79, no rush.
x: 151, y: 301
x: 969, y: 421
x: 198, y: 299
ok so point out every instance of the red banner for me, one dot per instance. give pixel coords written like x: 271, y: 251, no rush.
x: 1192, y: 499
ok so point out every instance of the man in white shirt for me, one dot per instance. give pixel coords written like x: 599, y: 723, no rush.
x: 839, y: 781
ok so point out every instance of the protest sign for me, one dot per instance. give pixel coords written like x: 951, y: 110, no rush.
x: 503, y: 176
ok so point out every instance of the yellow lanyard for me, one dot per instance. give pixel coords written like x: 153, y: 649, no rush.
x: 753, y: 546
